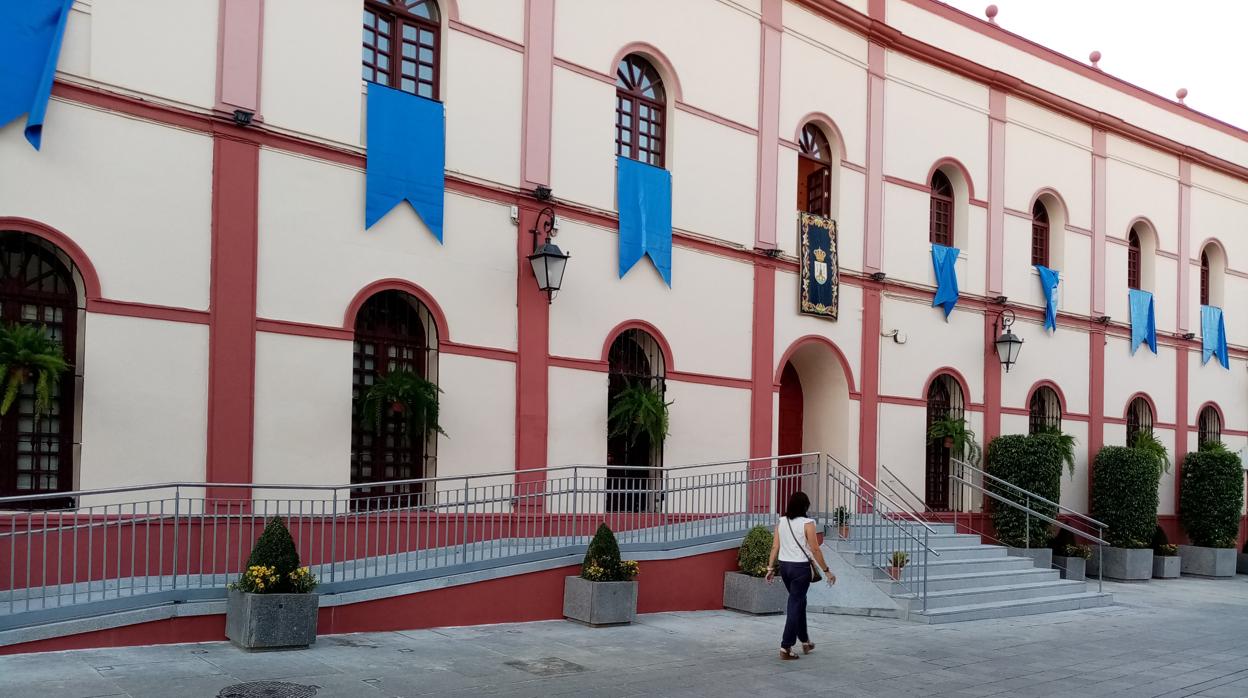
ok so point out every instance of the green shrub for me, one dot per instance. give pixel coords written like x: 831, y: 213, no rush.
x: 602, y: 559
x: 1033, y: 463
x: 275, y: 552
x: 1160, y: 538
x: 1124, y: 495
x: 1148, y: 442
x: 755, y: 552
x: 1212, y: 497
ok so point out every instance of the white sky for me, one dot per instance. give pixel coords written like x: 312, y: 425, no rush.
x: 1160, y: 45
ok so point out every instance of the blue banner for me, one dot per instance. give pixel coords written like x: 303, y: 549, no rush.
x: 406, y: 156
x: 30, y: 44
x: 1143, y: 320
x: 644, y: 194
x: 944, y: 263
x: 1213, y: 335
x: 820, y: 290
x: 1049, y: 280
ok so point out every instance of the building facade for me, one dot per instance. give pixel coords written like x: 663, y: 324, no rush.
x: 193, y: 228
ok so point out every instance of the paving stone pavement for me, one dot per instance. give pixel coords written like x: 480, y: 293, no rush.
x: 1186, y: 637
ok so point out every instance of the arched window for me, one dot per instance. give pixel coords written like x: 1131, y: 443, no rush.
x: 1039, y: 235
x: 1139, y: 419
x: 1208, y: 426
x: 944, y: 401
x: 1204, y: 277
x: 640, y: 111
x: 394, y: 332
x: 635, y: 360
x: 940, y: 226
x: 1044, y: 413
x: 37, y: 288
x: 401, y: 45
x: 814, y: 172
x: 1133, y: 259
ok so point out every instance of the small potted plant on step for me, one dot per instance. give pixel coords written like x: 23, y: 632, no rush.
x: 605, y: 592
x: 272, y: 605
x: 896, y: 563
x: 1211, y: 500
x: 842, y: 522
x: 746, y: 590
x: 1069, y: 558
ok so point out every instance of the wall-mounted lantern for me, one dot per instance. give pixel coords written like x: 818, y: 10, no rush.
x: 1008, y: 343
x: 549, y: 262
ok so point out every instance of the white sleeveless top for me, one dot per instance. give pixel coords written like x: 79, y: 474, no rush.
x: 793, y: 544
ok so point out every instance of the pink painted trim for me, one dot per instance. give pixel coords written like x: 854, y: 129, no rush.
x: 671, y: 79
x: 1180, y: 419
x: 1099, y: 213
x: 707, y: 379
x: 239, y: 51
x: 1049, y: 191
x: 762, y: 355
x: 1151, y: 405
x: 994, y: 258
x: 873, y: 245
x: 860, y: 169
x: 876, y: 8
x: 1215, y: 242
x: 773, y: 14
x: 1216, y: 408
x: 147, y: 311
x: 1183, y: 299
x: 768, y: 126
x: 992, y: 382
x: 816, y: 340
x: 90, y: 278
x: 669, y: 360
x: 1061, y: 396
x: 829, y: 127
x: 532, y: 396
x: 303, y: 329
x: 957, y: 375
x: 582, y: 70
x: 869, y: 406
x: 450, y: 8
x: 485, y: 36
x: 926, y: 189
x: 539, y: 71
x: 457, y: 349
x: 735, y: 125
x: 372, y: 289
x: 957, y: 164
x: 1080, y: 231
x: 596, y: 365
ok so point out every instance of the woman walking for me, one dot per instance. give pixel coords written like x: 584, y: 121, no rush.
x: 797, y: 546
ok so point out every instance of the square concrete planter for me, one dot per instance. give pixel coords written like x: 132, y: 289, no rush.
x: 599, y: 603
x: 1241, y: 563
x: 753, y: 594
x: 1208, y: 562
x: 1042, y: 557
x: 1072, y: 568
x: 1166, y: 566
x: 271, y: 621
x: 1122, y: 564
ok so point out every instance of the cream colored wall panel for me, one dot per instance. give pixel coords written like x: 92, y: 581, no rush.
x: 1218, y: 182
x: 907, y: 251
x: 1224, y: 218
x: 931, y: 344
x: 787, y: 210
x: 312, y: 89
x: 128, y: 192
x: 302, y: 410
x: 1146, y: 372
x: 1141, y: 155
x: 845, y: 332
x: 478, y: 411
x: 582, y: 158
x: 1166, y: 488
x: 163, y: 405
x: 314, y: 213
x: 75, y: 58
x: 1236, y: 309
x: 903, y: 450
x: 1131, y: 193
x: 946, y: 130
x: 1227, y: 388
x: 502, y: 17
x: 483, y: 125
x: 709, y: 304
x: 1022, y: 111
x: 841, y: 92
x: 927, y: 77
x: 578, y: 417
x: 708, y: 424
x: 140, y: 45
x: 1020, y: 280
x: 1165, y: 298
x: 714, y: 169
x: 851, y: 226
x: 1034, y: 161
x: 832, y: 36
x: 1075, y: 287
x: 1116, y: 291
x: 719, y: 76
x: 1060, y: 357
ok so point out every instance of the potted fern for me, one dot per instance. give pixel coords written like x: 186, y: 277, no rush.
x: 637, y: 410
x: 403, y: 393
x: 271, y: 604
x: 29, y: 355
x: 746, y: 589
x: 605, y: 592
x: 956, y: 436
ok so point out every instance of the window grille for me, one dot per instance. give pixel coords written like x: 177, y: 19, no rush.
x: 640, y: 111
x: 401, y: 45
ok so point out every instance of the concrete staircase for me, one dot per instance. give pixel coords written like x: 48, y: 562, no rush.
x: 969, y: 580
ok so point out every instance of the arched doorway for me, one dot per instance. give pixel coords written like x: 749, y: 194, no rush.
x: 813, y: 408
x: 789, y: 432
x: 635, y: 360
x: 944, y: 401
x: 37, y: 287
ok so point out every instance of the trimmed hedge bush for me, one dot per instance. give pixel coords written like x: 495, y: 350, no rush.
x: 1033, y: 463
x: 755, y: 552
x: 1211, y: 497
x: 275, y: 548
x: 1124, y: 495
x: 602, y: 559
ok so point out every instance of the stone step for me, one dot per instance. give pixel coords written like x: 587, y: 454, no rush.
x: 970, y: 580
x: 942, y: 566
x: 973, y: 552
x: 955, y: 598
x: 1007, y: 609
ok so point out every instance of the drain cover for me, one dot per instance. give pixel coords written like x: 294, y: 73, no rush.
x: 548, y: 666
x: 267, y: 689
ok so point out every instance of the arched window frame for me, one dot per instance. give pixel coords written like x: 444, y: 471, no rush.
x: 634, y: 357
x: 1213, y: 267
x: 945, y: 398
x: 640, y: 111
x: 1208, y: 426
x: 1140, y: 417
x: 1044, y: 410
x: 816, y: 155
x: 390, y: 28
x: 940, y: 228
x: 1039, y: 234
x: 1133, y: 259
x: 1141, y: 255
x: 1204, y: 277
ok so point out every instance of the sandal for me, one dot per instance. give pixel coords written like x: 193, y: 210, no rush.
x: 787, y: 653
x: 808, y: 647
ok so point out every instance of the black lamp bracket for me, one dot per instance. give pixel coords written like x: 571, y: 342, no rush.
x: 544, y: 224
x: 1005, y: 319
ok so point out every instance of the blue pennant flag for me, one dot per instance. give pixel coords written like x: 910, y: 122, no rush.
x: 1213, y: 335
x: 406, y: 156
x: 1049, y: 280
x: 1143, y: 320
x: 30, y: 44
x: 645, y: 200
x: 944, y: 263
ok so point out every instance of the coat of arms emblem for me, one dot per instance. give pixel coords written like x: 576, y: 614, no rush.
x: 821, y: 266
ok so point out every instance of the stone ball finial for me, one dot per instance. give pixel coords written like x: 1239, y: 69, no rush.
x: 1095, y: 57
x: 1181, y: 94
x: 991, y: 12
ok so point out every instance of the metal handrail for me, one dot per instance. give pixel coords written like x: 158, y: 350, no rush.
x: 915, y: 497
x: 1033, y: 495
x: 900, y: 509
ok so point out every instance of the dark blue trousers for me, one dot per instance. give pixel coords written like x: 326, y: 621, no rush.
x: 796, y: 577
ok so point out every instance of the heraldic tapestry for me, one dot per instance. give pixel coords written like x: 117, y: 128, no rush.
x: 820, y: 289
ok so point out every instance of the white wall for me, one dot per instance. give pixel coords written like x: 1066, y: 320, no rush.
x: 142, y: 46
